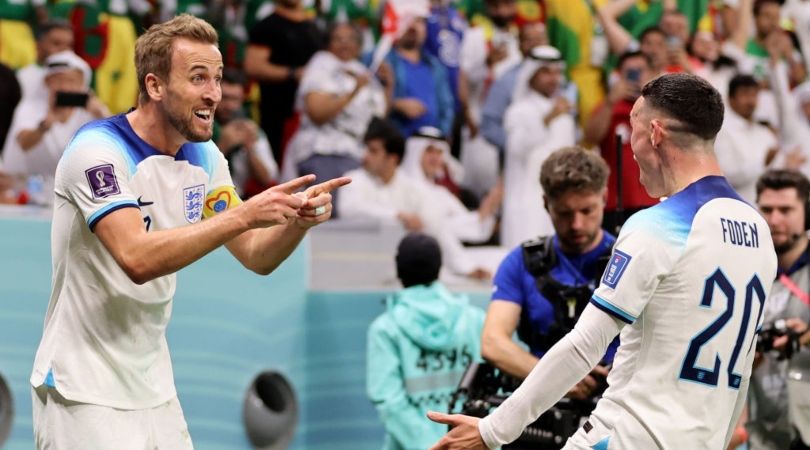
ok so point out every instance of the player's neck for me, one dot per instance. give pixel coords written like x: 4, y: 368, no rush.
x: 788, y: 258
x: 153, y: 128
x: 688, y: 166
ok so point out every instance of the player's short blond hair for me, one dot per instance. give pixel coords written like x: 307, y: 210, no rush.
x: 573, y: 169
x: 153, y: 50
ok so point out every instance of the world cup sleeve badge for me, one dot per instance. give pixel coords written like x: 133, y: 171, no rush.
x: 193, y: 203
x: 615, y: 270
x: 219, y: 200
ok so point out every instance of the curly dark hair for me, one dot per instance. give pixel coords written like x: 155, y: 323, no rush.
x: 573, y: 169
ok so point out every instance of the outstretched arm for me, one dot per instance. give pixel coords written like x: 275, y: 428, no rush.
x: 263, y: 249
x: 574, y: 355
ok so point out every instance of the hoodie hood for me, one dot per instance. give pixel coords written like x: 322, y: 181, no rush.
x: 428, y: 315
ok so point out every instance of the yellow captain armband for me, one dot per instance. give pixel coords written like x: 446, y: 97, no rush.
x: 219, y: 200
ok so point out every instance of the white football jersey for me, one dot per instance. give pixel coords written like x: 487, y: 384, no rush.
x: 690, y: 277
x: 104, y: 340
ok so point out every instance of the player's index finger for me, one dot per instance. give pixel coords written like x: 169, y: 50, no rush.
x: 331, y: 185
x: 296, y: 184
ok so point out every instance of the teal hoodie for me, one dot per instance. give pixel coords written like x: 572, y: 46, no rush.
x: 417, y: 352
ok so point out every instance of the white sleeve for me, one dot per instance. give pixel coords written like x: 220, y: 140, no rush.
x: 357, y: 200
x: 94, y: 175
x: 641, y: 259
x: 473, y: 55
x: 575, y: 355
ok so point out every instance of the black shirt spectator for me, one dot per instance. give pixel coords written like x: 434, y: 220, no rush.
x: 9, y: 97
x: 280, y: 46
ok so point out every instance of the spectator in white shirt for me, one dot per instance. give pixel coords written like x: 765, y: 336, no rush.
x: 379, y: 190
x: 53, y: 37
x: 537, y: 123
x: 337, y: 98
x: 43, y: 125
x: 744, y: 147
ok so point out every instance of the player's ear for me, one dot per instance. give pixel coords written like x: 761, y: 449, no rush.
x: 657, y: 132
x: 154, y: 87
x: 545, y: 202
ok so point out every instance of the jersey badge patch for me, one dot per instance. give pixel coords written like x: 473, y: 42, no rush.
x: 219, y: 200
x: 614, y: 271
x: 193, y: 203
x: 102, y: 181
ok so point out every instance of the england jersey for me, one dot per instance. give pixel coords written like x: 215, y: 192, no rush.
x: 690, y: 276
x: 104, y: 338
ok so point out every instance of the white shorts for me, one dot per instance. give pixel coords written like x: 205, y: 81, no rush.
x: 64, y: 424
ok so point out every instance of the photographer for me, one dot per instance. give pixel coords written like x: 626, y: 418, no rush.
x: 779, y: 394
x: 542, y: 286
x: 43, y: 126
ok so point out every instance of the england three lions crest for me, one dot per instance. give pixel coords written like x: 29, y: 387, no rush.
x: 193, y: 198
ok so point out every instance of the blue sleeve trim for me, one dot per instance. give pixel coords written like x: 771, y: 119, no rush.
x: 49, y: 381
x: 114, y: 206
x: 614, y: 311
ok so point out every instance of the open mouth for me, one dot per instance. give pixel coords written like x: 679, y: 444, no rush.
x: 204, y: 114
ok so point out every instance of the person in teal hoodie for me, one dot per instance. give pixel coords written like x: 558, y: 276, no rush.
x: 419, y: 348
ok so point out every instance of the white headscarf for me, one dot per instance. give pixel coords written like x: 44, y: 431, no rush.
x: 415, y: 147
x: 539, y: 57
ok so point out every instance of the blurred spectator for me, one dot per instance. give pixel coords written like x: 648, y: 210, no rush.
x: 778, y: 393
x: 667, y: 53
x: 709, y: 63
x: 744, y: 148
x: 381, y: 191
x: 487, y: 52
x: 280, y: 46
x: 754, y: 50
x: 53, y: 36
x: 337, y: 98
x: 422, y: 94
x: 42, y: 127
x: 445, y: 29
x: 17, y: 45
x: 537, y: 123
x: 419, y: 348
x: 612, y: 119
x: 799, y: 12
x: 9, y: 98
x: 429, y: 163
x: 499, y: 97
x: 244, y: 144
x: 794, y: 134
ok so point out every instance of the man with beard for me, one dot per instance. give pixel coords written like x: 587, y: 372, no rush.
x: 744, y: 147
x: 779, y: 398
x: 131, y: 193
x: 528, y: 297
x: 422, y: 95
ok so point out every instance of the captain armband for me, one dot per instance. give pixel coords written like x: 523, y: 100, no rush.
x: 219, y: 200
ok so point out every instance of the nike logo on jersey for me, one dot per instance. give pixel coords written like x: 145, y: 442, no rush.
x: 143, y: 203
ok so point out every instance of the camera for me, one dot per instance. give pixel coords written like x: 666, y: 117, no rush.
x: 774, y: 330
x: 72, y: 99
x: 483, y: 388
